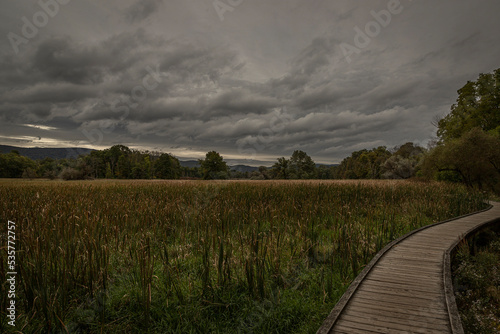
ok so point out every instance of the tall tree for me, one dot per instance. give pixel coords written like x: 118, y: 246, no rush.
x: 301, y: 166
x: 280, y: 168
x: 477, y: 105
x: 473, y: 159
x: 214, y: 167
x: 364, y: 164
x: 12, y: 165
x: 404, y: 162
x: 167, y: 167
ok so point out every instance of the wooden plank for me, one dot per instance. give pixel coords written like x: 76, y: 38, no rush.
x: 418, y: 270
x: 353, y: 330
x: 422, y: 324
x: 422, y: 245
x: 399, y: 300
x: 411, y: 257
x: 416, y: 257
x: 407, y: 311
x: 403, y: 285
x: 400, y: 313
x: 421, y: 252
x: 438, y: 238
x: 381, y: 329
x: 416, y: 253
x: 412, y: 262
x: 405, y: 275
x: 407, y: 272
x: 362, y: 328
x: 425, y: 282
x: 395, y: 292
x: 419, y: 243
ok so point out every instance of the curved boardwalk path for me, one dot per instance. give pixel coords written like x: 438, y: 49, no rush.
x: 407, y: 287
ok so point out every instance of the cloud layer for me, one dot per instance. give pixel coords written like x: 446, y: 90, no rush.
x: 268, y: 79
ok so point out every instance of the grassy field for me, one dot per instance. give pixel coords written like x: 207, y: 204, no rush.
x: 201, y: 257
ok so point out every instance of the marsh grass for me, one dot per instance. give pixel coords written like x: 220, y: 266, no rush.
x: 203, y: 257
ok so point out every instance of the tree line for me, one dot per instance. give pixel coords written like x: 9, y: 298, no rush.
x: 467, y: 151
x: 117, y: 162
x: 121, y: 162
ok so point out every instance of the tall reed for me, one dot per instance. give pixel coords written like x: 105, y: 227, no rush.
x: 203, y: 256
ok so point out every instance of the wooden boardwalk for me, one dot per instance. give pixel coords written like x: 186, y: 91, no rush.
x: 407, y: 287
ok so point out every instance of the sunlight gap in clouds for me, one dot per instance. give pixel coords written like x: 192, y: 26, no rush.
x: 41, y: 127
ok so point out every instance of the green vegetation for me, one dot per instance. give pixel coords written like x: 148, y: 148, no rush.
x: 299, y: 166
x: 468, y: 150
x: 473, y: 159
x: 214, y: 167
x: 13, y: 165
x: 202, y: 256
x: 117, y: 162
x: 476, y: 277
x: 477, y: 106
x: 364, y: 164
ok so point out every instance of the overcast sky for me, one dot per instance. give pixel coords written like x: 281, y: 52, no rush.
x: 251, y: 79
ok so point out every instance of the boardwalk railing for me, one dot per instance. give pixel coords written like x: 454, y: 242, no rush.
x: 407, y: 286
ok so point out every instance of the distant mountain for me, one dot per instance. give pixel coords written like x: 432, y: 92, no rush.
x: 238, y: 168
x: 243, y: 168
x: 326, y: 165
x: 189, y: 163
x: 38, y: 153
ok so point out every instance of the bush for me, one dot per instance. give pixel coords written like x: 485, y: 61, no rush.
x: 29, y: 173
x: 476, y: 277
x: 69, y: 174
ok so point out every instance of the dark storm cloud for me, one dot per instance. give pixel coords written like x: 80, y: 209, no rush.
x: 50, y: 93
x: 243, y: 102
x: 59, y: 59
x: 171, y: 75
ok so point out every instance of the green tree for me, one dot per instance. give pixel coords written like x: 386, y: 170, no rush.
x: 167, y: 167
x: 214, y: 167
x: 47, y: 167
x: 403, y: 164
x: 109, y: 172
x: 477, y: 106
x: 113, y: 154
x: 301, y: 166
x: 12, y: 165
x: 325, y: 172
x: 364, y: 164
x: 123, y: 168
x: 473, y: 159
x: 280, y: 168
